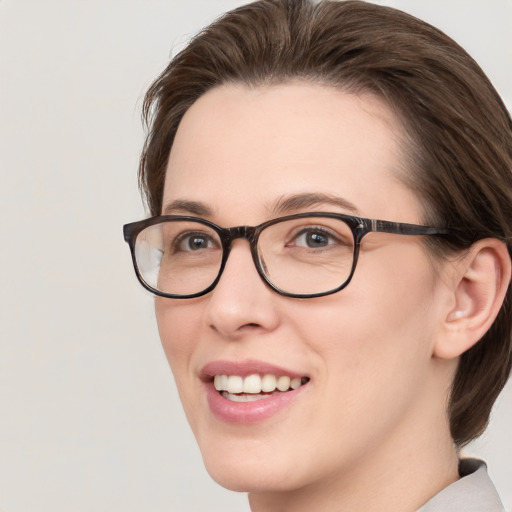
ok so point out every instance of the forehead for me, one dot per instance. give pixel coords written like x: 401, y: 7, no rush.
x: 245, y: 148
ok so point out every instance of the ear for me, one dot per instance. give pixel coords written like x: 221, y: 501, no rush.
x: 480, y: 282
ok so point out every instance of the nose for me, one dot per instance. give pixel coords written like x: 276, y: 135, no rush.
x: 241, y: 303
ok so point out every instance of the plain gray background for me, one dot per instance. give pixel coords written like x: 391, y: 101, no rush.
x: 89, y: 418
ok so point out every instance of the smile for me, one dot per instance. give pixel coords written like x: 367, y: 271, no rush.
x: 250, y: 391
x: 255, y: 387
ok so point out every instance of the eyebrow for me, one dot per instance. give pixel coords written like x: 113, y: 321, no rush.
x: 188, y: 207
x: 288, y: 204
x: 284, y: 205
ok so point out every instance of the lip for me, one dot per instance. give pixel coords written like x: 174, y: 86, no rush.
x: 245, y: 413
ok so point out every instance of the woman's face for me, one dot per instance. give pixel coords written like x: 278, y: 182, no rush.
x: 364, y: 354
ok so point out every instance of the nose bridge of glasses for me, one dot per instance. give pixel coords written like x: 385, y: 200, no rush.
x: 245, y: 232
x: 248, y: 233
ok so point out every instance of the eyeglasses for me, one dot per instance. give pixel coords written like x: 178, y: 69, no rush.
x: 303, y: 255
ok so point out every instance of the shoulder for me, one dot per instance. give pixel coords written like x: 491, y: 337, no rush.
x: 473, y: 492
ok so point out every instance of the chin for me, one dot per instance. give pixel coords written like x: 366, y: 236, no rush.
x: 249, y: 480
x: 243, y: 470
x: 234, y: 481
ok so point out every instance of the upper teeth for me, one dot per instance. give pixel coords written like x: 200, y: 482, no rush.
x: 255, y: 383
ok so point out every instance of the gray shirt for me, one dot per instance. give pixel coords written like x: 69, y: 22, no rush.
x: 473, y: 492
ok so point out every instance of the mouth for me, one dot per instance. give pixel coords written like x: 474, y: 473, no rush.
x: 249, y: 391
x: 253, y: 387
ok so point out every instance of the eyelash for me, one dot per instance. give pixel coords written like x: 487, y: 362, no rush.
x: 186, y: 237
x: 316, y: 229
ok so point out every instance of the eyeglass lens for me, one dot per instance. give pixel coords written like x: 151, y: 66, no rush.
x: 298, y: 256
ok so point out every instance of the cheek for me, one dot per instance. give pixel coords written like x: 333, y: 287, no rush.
x: 375, y: 337
x: 177, y: 327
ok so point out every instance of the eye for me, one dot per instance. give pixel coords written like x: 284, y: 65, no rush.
x: 193, y: 241
x: 313, y: 237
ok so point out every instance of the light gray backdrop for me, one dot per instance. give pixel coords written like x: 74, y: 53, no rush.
x: 89, y: 418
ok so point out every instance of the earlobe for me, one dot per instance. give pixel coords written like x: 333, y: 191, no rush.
x: 481, y: 280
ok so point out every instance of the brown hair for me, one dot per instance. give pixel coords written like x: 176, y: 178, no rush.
x: 459, y: 131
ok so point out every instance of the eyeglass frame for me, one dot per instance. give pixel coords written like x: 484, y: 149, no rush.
x: 359, y: 226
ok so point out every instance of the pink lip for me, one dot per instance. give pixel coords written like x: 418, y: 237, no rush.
x: 245, y: 413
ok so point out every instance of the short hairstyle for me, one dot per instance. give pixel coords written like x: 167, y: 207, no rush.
x: 458, y: 132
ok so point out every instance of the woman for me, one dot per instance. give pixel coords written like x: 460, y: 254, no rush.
x: 331, y: 195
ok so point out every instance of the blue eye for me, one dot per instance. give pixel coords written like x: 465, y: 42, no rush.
x: 194, y: 242
x: 314, y: 238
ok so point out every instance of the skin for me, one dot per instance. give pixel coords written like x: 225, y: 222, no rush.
x: 369, y: 432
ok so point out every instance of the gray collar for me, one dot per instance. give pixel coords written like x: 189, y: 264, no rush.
x: 473, y: 492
